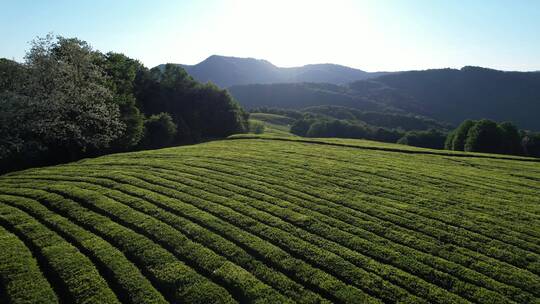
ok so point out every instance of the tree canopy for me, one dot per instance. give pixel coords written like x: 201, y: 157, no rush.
x: 58, y: 105
x: 67, y: 101
x: 490, y: 137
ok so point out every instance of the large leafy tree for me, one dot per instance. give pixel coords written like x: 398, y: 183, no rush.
x: 484, y: 136
x: 160, y: 131
x: 510, y: 139
x: 487, y: 136
x: 61, y: 109
x: 459, y: 136
x: 122, y: 71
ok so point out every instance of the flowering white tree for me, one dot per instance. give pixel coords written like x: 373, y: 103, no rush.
x: 62, y: 108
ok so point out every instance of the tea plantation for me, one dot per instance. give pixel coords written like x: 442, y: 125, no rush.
x: 274, y: 220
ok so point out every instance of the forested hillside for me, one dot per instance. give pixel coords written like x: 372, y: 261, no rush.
x: 470, y: 93
x: 300, y: 95
x: 446, y: 95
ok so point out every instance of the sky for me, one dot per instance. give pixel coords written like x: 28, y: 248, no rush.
x: 372, y: 35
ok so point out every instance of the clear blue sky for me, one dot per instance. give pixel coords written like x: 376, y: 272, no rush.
x: 370, y: 35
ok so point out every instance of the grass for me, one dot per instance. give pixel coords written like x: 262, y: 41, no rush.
x: 269, y: 219
x: 276, y: 125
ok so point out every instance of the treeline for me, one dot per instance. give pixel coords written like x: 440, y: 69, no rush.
x: 337, y: 121
x: 490, y: 137
x: 316, y: 127
x: 390, y: 120
x: 67, y: 101
x: 473, y: 136
x: 346, y: 129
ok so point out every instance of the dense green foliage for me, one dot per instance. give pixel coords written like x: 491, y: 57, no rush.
x: 343, y: 122
x: 160, y: 131
x: 488, y: 136
x: 68, y: 101
x: 274, y: 220
x: 456, y: 139
x: 427, y: 139
x: 60, y: 109
x: 199, y: 110
x: 310, y: 127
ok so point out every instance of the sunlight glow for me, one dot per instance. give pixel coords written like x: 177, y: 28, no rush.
x: 372, y: 35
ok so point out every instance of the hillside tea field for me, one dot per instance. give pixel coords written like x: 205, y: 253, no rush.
x: 262, y: 220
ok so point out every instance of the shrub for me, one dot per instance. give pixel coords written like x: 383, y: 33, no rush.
x: 256, y: 127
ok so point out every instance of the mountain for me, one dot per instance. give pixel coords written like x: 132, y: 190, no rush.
x: 300, y: 95
x: 450, y: 95
x: 228, y: 71
x: 469, y: 93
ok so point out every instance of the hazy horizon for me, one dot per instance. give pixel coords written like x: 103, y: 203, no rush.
x: 360, y: 68
x: 367, y: 35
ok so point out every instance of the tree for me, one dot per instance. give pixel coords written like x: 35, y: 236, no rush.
x: 460, y: 135
x: 510, y: 139
x: 531, y: 144
x: 206, y: 110
x: 318, y: 129
x: 301, y: 126
x: 484, y: 136
x: 12, y: 75
x: 160, y: 131
x: 63, y: 108
x: 122, y: 72
x: 449, y: 140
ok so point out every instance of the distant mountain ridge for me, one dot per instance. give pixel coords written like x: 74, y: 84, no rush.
x: 448, y: 95
x: 227, y: 71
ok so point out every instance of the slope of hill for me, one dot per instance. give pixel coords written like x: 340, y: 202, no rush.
x: 405, y: 122
x: 446, y: 95
x: 274, y: 221
x: 228, y: 71
x: 273, y: 124
x: 300, y: 95
x: 472, y: 93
